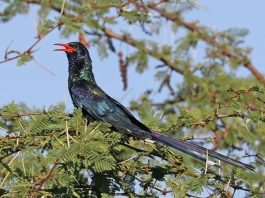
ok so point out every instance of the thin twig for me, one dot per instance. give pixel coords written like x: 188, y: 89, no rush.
x: 30, y: 48
x: 228, y: 184
x: 95, y: 128
x: 133, y: 157
x: 43, y: 67
x: 27, y: 114
x: 206, y: 163
x: 7, y: 49
x: 62, y: 9
x: 23, y: 164
x: 67, y: 134
x: 2, y: 183
x: 40, y: 184
x: 193, y: 27
x: 134, y: 43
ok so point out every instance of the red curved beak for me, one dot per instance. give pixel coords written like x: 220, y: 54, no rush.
x: 67, y: 48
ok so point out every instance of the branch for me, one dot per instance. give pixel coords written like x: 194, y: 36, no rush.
x: 216, y: 117
x: 193, y: 27
x: 39, y: 184
x: 25, y: 114
x: 30, y: 49
x: 111, y: 34
x: 134, y: 43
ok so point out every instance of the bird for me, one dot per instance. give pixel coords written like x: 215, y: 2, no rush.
x: 97, y: 105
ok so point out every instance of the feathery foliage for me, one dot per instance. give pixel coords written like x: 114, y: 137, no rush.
x: 49, y: 153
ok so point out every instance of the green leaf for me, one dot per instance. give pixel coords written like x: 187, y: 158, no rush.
x: 24, y: 58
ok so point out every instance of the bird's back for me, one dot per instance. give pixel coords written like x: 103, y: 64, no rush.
x: 97, y: 105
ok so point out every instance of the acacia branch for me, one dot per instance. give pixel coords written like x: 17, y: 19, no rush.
x: 193, y: 27
x: 216, y: 117
x: 134, y: 43
x: 39, y: 184
x: 30, y: 49
x: 28, y: 114
x: 130, y: 41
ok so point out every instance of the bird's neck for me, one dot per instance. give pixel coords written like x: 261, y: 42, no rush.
x: 81, y: 71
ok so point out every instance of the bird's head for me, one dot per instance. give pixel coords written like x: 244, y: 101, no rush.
x: 74, y: 50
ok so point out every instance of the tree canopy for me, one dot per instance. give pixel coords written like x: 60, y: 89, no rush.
x: 50, y: 153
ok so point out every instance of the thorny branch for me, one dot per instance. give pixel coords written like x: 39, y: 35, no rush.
x: 24, y: 114
x: 193, y: 27
x: 30, y: 50
x: 39, y: 184
x: 132, y: 42
x: 36, y: 143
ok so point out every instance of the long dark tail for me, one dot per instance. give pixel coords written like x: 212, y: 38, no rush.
x: 195, y: 150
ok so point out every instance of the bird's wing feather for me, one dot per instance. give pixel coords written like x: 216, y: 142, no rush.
x: 92, y: 102
x: 129, y: 114
x: 100, y: 105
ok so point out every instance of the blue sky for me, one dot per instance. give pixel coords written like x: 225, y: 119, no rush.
x: 36, y: 87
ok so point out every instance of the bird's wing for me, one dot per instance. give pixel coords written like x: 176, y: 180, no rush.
x: 90, y: 101
x: 103, y: 107
x: 129, y: 114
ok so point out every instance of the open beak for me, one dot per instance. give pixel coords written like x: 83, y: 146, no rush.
x: 67, y: 48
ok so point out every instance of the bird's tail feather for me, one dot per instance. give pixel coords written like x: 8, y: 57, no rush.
x: 195, y: 150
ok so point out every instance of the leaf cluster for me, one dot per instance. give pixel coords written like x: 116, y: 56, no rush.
x: 49, y: 153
